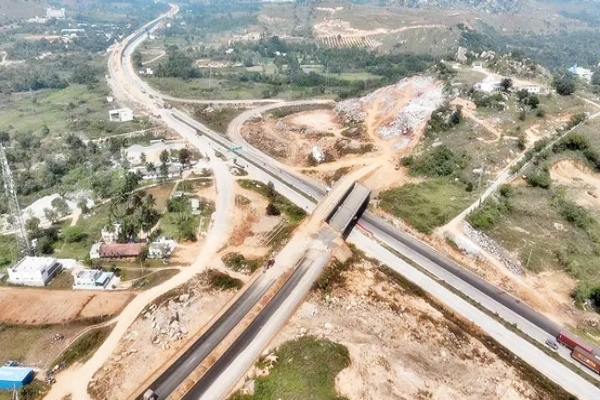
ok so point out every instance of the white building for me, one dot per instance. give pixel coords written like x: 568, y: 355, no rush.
x: 120, y: 115
x: 531, y: 89
x: 147, y: 71
x: 488, y: 85
x: 478, y: 65
x: 95, y: 250
x: 161, y: 249
x: 56, y: 13
x: 173, y: 171
x: 92, y: 279
x: 33, y: 271
x: 581, y: 72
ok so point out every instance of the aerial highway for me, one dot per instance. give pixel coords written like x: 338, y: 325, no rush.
x: 306, y: 192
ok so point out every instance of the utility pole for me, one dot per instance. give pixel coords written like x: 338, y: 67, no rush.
x: 24, y: 246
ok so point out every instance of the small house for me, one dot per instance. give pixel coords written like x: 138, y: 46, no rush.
x: 92, y: 279
x: 195, y: 204
x: 120, y: 115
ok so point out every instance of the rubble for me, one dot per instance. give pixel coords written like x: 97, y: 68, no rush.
x: 495, y: 249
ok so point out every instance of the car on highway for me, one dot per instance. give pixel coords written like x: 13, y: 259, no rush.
x: 552, y: 344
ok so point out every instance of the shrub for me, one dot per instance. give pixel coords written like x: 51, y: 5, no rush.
x: 74, y: 234
x: 440, y: 161
x: 273, y: 210
x: 539, y: 178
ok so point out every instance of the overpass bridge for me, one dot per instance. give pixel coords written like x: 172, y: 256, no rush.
x: 351, y: 204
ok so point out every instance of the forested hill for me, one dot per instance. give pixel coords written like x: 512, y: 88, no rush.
x: 18, y: 9
x: 495, y: 6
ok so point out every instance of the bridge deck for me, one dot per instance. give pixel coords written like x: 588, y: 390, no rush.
x: 346, y: 211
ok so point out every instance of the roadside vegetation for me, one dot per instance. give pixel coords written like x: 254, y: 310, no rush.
x: 305, y: 369
x: 560, y: 224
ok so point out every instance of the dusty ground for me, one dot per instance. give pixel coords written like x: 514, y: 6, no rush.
x: 35, y: 346
x: 400, y: 346
x: 583, y: 184
x: 41, y: 306
x: 154, y: 339
x: 391, y: 119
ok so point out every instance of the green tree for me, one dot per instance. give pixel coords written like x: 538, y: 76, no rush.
x: 565, y: 85
x: 273, y: 210
x: 184, y: 156
x: 142, y: 257
x: 45, y: 130
x: 82, y: 205
x: 143, y: 158
x: 164, y: 156
x: 51, y: 215
x: 506, y: 84
x: 60, y: 206
x: 136, y: 59
x: 4, y: 137
x: 32, y: 226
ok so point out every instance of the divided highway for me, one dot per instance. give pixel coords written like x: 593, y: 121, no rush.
x: 305, y: 191
x: 170, y: 379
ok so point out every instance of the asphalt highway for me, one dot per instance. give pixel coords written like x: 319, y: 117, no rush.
x: 440, y: 266
x: 249, y: 334
x: 169, y: 380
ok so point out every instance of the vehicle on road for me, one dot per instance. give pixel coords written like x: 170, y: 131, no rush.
x: 150, y: 395
x: 552, y: 344
x: 586, y: 358
x: 571, y: 341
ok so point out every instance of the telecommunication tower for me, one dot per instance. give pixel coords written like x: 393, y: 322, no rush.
x: 24, y: 246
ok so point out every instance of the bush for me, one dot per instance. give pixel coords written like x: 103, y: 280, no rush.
x: 220, y: 280
x: 565, y: 85
x: 273, y: 210
x: 441, y: 161
x: 539, y: 178
x: 576, y: 214
x: 489, y: 214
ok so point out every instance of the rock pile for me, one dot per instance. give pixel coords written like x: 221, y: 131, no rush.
x: 492, y: 247
x: 166, y: 323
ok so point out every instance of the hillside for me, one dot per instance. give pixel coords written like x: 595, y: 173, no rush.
x: 18, y: 9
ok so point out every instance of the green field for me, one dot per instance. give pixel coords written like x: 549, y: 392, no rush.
x: 305, y: 369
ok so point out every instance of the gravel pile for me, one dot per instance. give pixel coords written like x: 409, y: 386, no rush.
x: 492, y: 247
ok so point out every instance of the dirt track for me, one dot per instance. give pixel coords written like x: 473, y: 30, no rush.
x: 21, y: 306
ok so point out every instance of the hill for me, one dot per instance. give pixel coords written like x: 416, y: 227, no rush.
x: 11, y: 10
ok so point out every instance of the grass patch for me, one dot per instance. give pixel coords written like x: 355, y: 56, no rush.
x: 222, y: 281
x: 237, y: 262
x: 294, y: 213
x: 85, y: 346
x: 153, y: 279
x: 306, y: 369
x: 427, y: 205
x: 216, y: 119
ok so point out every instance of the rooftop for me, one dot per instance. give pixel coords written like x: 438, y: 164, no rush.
x: 121, y: 250
x: 88, y: 273
x: 33, y: 263
x: 14, y: 374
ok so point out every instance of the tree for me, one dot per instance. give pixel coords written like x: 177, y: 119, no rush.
x: 506, y: 84
x: 164, y: 171
x: 273, y: 210
x: 45, y: 245
x: 82, y: 205
x: 271, y: 193
x: 51, y: 215
x: 184, y: 156
x: 164, y: 156
x: 522, y: 94
x: 142, y: 257
x: 533, y: 101
x: 4, y: 137
x: 32, y: 226
x: 143, y: 158
x: 60, y: 206
x: 45, y: 130
x: 456, y: 116
x: 565, y: 85
x: 136, y: 59
x: 150, y: 167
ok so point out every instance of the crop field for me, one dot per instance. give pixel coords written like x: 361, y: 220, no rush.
x: 334, y: 41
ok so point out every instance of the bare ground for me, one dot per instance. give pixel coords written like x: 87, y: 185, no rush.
x: 400, y: 346
x: 145, y: 348
x: 23, y: 306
